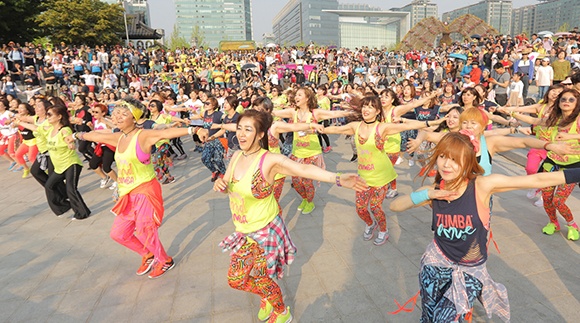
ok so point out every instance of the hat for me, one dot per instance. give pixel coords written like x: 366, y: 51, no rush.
x: 567, y: 81
x: 546, y: 59
x: 526, y: 51
x: 475, y: 62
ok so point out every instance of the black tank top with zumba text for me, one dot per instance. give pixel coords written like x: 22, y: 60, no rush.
x: 458, y: 230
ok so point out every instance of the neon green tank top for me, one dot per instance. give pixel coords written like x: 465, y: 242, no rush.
x: 306, y: 145
x: 41, y: 133
x: 542, y: 132
x: 566, y: 159
x: 251, y: 213
x: 131, y: 172
x: 61, y: 155
x: 162, y: 119
x: 393, y: 143
x: 374, y: 166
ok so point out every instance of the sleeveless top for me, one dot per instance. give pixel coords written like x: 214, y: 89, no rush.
x: 484, y: 160
x: 40, y: 134
x: 162, y: 119
x: 374, y: 166
x: 307, y: 145
x: 542, y: 132
x: 252, y: 201
x: 566, y: 159
x: 393, y: 143
x: 274, y: 147
x: 131, y: 171
x: 61, y: 155
x: 458, y: 229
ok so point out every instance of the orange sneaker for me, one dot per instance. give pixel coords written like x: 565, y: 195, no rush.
x: 161, y: 268
x: 146, y: 264
x: 432, y: 173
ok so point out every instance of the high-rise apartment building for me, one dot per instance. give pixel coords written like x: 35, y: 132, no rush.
x: 497, y: 13
x: 135, y: 7
x: 305, y: 21
x: 214, y: 20
x: 523, y: 20
x: 419, y: 10
x: 551, y: 15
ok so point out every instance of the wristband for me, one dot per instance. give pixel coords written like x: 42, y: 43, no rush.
x: 572, y: 175
x: 427, y: 123
x: 546, y: 145
x: 79, y: 135
x: 190, y: 131
x: 420, y: 196
x: 74, y: 136
x: 337, y: 179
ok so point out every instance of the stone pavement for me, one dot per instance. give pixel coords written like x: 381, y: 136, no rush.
x: 57, y: 270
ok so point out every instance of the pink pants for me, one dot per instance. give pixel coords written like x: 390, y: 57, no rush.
x: 9, y: 146
x: 24, y: 149
x: 136, y: 229
x: 535, y: 159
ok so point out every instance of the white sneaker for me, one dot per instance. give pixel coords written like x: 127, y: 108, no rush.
x: 382, y: 237
x: 399, y: 161
x: 105, y: 182
x: 392, y: 193
x: 539, y: 202
x: 533, y: 193
x: 113, y: 186
x: 411, y: 163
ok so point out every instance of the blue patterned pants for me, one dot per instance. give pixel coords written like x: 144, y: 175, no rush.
x: 212, y: 156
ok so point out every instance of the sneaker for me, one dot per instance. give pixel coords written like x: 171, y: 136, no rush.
x: 392, y: 194
x: 146, y: 264
x: 533, y: 193
x: 399, y: 161
x: 214, y: 176
x: 67, y: 214
x: 573, y: 233
x: 302, y: 205
x: 26, y: 173
x: 369, y: 230
x: 422, y: 171
x: 281, y: 317
x: 354, y: 158
x: 432, y: 173
x: 539, y: 202
x: 171, y: 179
x: 551, y: 228
x: 12, y: 165
x: 411, y: 163
x: 161, y: 268
x: 265, y: 311
x: 327, y: 149
x: 113, y: 186
x: 382, y: 237
x: 18, y: 169
x: 105, y: 182
x: 181, y: 157
x: 308, y: 208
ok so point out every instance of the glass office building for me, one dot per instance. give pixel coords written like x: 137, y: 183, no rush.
x: 305, y: 21
x: 216, y: 20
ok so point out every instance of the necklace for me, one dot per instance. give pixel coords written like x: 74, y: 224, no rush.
x: 370, y: 122
x: 127, y: 133
x: 246, y: 155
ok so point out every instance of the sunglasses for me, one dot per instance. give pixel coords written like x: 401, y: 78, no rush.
x: 570, y: 100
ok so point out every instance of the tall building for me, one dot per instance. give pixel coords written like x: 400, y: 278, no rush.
x: 214, y: 20
x: 135, y: 7
x: 363, y: 25
x: 523, y: 20
x: 496, y: 13
x: 305, y: 21
x: 552, y: 15
x: 419, y: 10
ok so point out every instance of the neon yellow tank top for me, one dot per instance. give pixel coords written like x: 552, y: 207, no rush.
x: 40, y: 134
x: 162, y: 119
x: 566, y: 159
x: 250, y: 213
x: 393, y: 143
x: 307, y: 145
x: 374, y: 166
x: 130, y: 171
x: 542, y: 132
x: 61, y: 156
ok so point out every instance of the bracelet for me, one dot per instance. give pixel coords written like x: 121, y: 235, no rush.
x: 546, y: 145
x: 420, y: 196
x: 190, y: 131
x: 337, y: 179
x: 79, y: 135
x: 310, y: 126
x: 427, y: 123
x: 518, y: 129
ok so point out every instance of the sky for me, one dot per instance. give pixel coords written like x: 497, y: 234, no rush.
x: 263, y: 11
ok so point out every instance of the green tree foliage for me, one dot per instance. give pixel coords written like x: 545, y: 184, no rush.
x: 17, y: 20
x: 198, y: 37
x: 176, y: 41
x: 90, y: 22
x: 564, y: 27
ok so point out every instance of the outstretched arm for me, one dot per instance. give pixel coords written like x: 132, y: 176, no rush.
x: 393, y: 128
x: 279, y: 127
x: 420, y: 197
x: 347, y: 129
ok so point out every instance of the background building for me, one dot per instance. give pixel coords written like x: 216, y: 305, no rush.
x: 305, y: 21
x: 552, y: 15
x: 135, y: 7
x: 362, y: 25
x: 496, y: 13
x: 419, y: 10
x: 523, y: 20
x: 216, y: 20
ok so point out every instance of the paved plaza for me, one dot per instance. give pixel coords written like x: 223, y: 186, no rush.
x: 57, y: 270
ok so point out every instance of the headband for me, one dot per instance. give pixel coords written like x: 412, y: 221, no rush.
x: 474, y: 140
x: 136, y: 112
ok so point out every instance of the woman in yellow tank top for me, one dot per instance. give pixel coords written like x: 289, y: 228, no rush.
x: 374, y: 166
x: 306, y: 148
x: 261, y: 245
x: 139, y: 209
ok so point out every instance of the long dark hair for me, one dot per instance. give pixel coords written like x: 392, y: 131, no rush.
x: 158, y: 105
x: 555, y: 118
x: 393, y: 95
x: 62, y: 111
x: 262, y: 122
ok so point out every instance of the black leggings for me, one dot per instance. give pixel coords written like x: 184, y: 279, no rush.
x: 71, y: 177
x: 178, y: 144
x: 57, y: 197
x: 324, y: 136
x: 106, y: 159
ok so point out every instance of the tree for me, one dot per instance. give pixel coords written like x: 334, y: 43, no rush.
x: 176, y: 41
x: 89, y: 22
x: 198, y: 37
x: 564, y: 28
x: 17, y: 20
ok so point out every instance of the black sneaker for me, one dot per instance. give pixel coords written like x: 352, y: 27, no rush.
x: 354, y: 158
